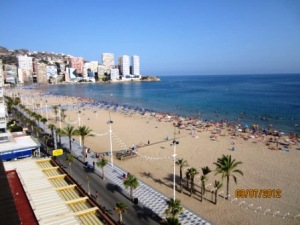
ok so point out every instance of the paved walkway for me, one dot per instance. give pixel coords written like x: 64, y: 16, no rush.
x: 146, y: 195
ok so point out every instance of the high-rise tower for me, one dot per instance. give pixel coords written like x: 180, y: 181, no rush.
x: 135, y: 65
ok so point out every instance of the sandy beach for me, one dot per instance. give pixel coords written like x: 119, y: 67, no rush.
x: 201, y: 146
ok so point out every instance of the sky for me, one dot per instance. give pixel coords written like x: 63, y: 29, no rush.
x: 172, y: 37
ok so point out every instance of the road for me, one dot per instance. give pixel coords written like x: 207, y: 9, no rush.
x: 109, y: 195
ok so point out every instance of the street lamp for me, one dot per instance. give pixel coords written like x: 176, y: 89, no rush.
x: 174, y: 163
x: 41, y: 106
x: 110, y: 140
x: 47, y: 111
x: 59, y: 116
x: 110, y: 136
x: 79, y: 126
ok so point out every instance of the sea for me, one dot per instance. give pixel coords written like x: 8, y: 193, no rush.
x: 270, y: 101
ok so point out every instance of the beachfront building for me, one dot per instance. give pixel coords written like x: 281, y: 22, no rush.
x: 25, y: 62
x: 46, y: 195
x: 114, y: 74
x: 94, y: 66
x: 101, y: 71
x: 25, y: 65
x: 135, y: 65
x: 10, y: 73
x: 41, y: 73
x: 124, y: 64
x: 77, y: 63
x: 51, y: 71
x: 3, y: 133
x: 85, y: 68
x: 71, y: 74
x: 108, y: 62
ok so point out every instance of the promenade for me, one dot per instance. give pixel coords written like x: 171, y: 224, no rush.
x: 146, y: 195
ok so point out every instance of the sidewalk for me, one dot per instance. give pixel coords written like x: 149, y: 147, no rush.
x: 145, y: 194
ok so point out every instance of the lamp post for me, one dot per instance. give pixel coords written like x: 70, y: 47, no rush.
x: 79, y: 126
x: 59, y: 117
x: 174, y: 164
x: 41, y: 106
x: 110, y: 136
x: 47, y: 111
x: 110, y: 140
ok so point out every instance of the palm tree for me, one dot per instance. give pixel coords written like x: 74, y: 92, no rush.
x: 46, y: 138
x: 62, y: 114
x: 174, y: 208
x: 120, y: 208
x: 205, y: 170
x: 32, y: 124
x: 131, y: 182
x: 27, y: 122
x: 58, y: 135
x: 102, y: 162
x: 192, y: 172
x: 36, y: 131
x: 55, y: 109
x: 44, y: 121
x: 188, y: 177
x: 69, y: 159
x: 38, y: 117
x: 226, y: 166
x: 33, y: 114
x: 52, y: 128
x: 84, y: 131
x: 217, y: 186
x: 69, y: 131
x: 181, y: 163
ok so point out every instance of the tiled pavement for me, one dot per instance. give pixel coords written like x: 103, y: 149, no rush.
x: 146, y: 195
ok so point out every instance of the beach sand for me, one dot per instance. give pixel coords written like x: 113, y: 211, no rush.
x: 263, y: 168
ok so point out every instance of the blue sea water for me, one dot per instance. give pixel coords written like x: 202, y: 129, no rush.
x: 267, y: 100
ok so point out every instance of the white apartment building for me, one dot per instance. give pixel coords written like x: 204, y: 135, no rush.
x: 124, y: 63
x: 114, y: 74
x: 135, y: 65
x: 85, y: 68
x: 108, y: 61
x: 3, y: 133
x: 101, y: 71
x: 51, y: 71
x: 10, y: 73
x: 41, y: 73
x: 94, y: 66
x: 25, y: 62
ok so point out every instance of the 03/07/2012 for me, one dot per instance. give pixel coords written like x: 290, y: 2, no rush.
x: 258, y: 193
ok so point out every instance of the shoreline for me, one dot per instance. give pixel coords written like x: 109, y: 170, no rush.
x: 263, y: 168
x: 235, y: 122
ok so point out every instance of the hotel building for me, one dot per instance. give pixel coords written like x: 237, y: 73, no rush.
x: 3, y: 133
x: 108, y: 61
x: 77, y: 63
x: 124, y: 63
x: 135, y: 65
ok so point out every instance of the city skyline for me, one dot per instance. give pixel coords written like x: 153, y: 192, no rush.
x: 171, y: 38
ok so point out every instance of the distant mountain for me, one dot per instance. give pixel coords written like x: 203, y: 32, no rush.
x: 3, y: 50
x: 7, y: 56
